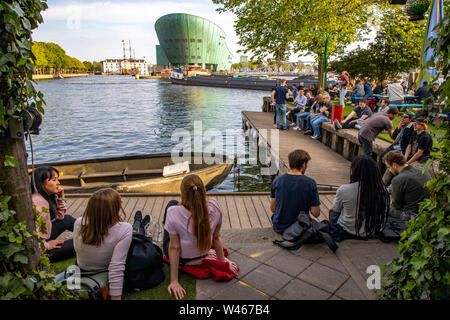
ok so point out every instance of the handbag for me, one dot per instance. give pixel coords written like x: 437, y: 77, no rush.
x: 144, y: 267
x: 93, y: 283
x: 306, y: 230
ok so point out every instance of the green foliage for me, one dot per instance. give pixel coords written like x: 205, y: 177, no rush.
x: 17, y: 20
x: 268, y: 27
x: 423, y: 269
x: 396, y: 49
x: 51, y: 55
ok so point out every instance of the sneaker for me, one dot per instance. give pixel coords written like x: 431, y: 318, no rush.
x: 296, y: 128
x: 308, y: 132
x: 137, y: 220
x: 315, y: 137
x: 292, y: 124
x: 145, y: 225
x: 337, y: 125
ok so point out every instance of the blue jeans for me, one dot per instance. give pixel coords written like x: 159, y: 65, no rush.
x: 355, y: 94
x: 342, y: 94
x: 300, y: 116
x: 316, y: 121
x: 281, y: 108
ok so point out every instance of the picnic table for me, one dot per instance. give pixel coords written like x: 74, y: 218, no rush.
x: 407, y: 105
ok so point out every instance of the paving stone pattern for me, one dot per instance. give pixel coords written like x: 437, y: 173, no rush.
x: 312, y: 272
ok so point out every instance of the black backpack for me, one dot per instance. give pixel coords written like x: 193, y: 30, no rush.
x: 306, y: 230
x: 144, y: 267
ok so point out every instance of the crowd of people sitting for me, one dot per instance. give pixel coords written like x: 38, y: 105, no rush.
x: 361, y: 208
x: 102, y: 237
x: 376, y: 192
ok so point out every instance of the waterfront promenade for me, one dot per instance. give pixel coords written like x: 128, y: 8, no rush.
x: 326, y: 166
x: 65, y: 75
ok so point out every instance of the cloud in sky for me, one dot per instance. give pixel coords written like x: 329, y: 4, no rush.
x: 95, y: 30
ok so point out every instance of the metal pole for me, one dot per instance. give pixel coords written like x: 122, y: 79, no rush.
x: 325, y: 61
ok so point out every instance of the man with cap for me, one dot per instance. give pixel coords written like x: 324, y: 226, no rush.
x: 420, y: 144
x: 402, y: 137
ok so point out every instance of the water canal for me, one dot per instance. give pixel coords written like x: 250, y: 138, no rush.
x: 106, y: 116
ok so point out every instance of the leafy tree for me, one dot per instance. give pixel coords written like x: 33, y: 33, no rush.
x: 97, y: 66
x: 396, y: 49
x: 51, y: 55
x: 88, y: 65
x: 277, y: 28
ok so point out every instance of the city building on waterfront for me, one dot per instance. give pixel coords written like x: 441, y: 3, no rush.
x: 185, y: 39
x: 125, y: 66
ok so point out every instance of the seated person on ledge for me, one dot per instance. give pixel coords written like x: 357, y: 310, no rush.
x: 362, y: 113
x: 408, y: 186
x: 293, y: 192
x: 365, y: 196
x: 300, y: 103
x: 191, y: 228
x: 384, y: 106
x: 312, y: 105
x: 47, y: 193
x: 102, y: 238
x: 313, y: 121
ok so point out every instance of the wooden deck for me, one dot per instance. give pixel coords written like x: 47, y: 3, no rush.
x: 240, y: 210
x: 326, y: 166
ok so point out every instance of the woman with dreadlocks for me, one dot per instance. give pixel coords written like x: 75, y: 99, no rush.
x: 360, y: 207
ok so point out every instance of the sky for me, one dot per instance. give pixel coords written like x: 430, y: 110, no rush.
x: 94, y: 30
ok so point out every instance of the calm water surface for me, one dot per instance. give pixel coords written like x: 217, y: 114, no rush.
x: 107, y: 116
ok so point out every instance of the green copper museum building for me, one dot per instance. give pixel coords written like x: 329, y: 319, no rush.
x: 185, y: 39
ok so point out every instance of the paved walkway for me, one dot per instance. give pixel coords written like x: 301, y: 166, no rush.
x: 312, y: 272
x: 326, y: 166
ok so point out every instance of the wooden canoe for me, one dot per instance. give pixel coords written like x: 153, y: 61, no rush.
x: 137, y: 174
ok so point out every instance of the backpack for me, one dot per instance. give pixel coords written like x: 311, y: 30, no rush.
x: 93, y: 283
x: 144, y: 267
x: 306, y: 230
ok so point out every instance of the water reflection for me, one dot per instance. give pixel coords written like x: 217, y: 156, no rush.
x: 105, y: 116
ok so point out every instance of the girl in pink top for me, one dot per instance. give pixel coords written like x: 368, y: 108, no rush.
x: 48, y: 197
x: 191, y: 229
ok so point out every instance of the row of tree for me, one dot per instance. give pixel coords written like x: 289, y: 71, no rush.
x: 321, y: 28
x: 50, y: 58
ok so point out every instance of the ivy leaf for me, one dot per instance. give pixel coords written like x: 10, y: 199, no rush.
x: 443, y: 232
x: 21, y: 258
x: 10, y: 250
x: 10, y: 161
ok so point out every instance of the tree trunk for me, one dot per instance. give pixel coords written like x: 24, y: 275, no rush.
x: 14, y: 181
x: 320, y: 74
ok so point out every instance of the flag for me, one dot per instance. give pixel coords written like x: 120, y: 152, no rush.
x: 436, y: 15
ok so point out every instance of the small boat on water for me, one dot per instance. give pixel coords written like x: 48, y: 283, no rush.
x: 153, y: 173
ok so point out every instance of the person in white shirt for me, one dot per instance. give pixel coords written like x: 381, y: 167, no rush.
x: 300, y: 103
x: 395, y: 92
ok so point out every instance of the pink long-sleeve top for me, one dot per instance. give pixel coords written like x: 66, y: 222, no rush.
x: 40, y: 203
x: 111, y: 254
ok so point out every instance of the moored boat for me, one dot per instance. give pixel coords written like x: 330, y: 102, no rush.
x: 250, y: 82
x: 153, y: 173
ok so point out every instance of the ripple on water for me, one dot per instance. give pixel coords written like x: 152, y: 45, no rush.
x: 106, y: 116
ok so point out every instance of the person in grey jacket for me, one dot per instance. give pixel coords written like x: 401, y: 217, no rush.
x: 408, y: 186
